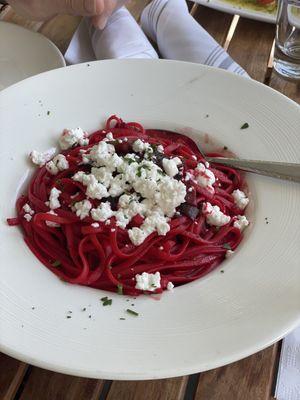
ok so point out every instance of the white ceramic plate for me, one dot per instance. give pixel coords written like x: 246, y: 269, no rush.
x: 239, y: 9
x: 199, y: 326
x: 24, y: 53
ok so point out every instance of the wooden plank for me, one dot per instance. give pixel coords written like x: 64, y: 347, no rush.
x: 289, y: 88
x: 251, y: 46
x: 165, y: 389
x: 11, y: 376
x: 47, y: 385
x: 249, y: 379
x: 136, y: 7
x: 216, y: 23
x: 9, y: 15
x: 60, y: 30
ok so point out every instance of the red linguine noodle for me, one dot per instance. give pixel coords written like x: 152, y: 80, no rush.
x: 105, y: 258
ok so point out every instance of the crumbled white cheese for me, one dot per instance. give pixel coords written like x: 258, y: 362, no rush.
x: 154, y: 222
x: 59, y: 163
x: 28, y: 209
x: 170, y: 167
x: 229, y: 253
x: 28, y: 217
x: 83, y: 208
x: 53, y: 198
x: 204, y: 176
x: 52, y: 224
x: 109, y: 136
x: 102, y: 213
x: 148, y: 282
x: 214, y: 215
x: 177, y: 161
x: 188, y: 177
x: 137, y: 236
x: 73, y: 137
x: 95, y: 190
x: 240, y: 199
x: 170, y: 195
x: 95, y: 225
x: 241, y: 222
x: 139, y: 146
x: 160, y: 148
x: 170, y: 286
x: 41, y: 159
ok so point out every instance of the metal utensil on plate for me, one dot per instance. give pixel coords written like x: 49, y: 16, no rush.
x: 279, y: 170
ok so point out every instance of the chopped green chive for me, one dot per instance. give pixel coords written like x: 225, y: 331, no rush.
x: 131, y: 312
x: 107, y: 302
x: 227, y: 246
x: 245, y: 125
x: 104, y: 298
x: 120, y: 289
x: 56, y: 263
x: 48, y: 112
x: 122, y: 319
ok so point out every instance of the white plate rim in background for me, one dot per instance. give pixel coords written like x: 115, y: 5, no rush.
x: 24, y: 53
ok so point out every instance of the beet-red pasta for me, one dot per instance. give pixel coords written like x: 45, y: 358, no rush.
x: 130, y: 210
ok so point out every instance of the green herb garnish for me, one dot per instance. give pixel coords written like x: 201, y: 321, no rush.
x: 131, y: 312
x: 245, y: 125
x: 227, y: 246
x: 129, y: 160
x: 56, y: 263
x: 120, y: 289
x: 107, y: 302
x: 104, y: 298
x: 48, y: 112
x: 122, y: 319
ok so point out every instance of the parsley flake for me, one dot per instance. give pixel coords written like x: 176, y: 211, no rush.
x: 56, y: 263
x: 120, y: 289
x: 131, y: 312
x: 48, y: 113
x: 107, y: 302
x: 245, y: 126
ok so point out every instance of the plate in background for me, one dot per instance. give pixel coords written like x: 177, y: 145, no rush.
x: 24, y: 53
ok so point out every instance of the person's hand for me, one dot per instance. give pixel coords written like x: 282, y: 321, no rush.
x: 41, y: 10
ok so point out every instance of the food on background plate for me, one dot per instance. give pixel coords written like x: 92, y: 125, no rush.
x: 258, y: 5
x: 130, y: 210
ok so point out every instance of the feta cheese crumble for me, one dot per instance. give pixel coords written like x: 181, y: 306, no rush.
x: 28, y: 217
x: 139, y: 146
x: 170, y: 286
x: 52, y: 224
x: 28, y: 209
x: 214, y: 215
x: 240, y: 199
x: 82, y: 208
x: 73, y: 137
x: 59, y: 163
x: 148, y: 282
x: 41, y: 159
x: 241, y: 222
x: 204, y: 176
x: 53, y: 198
x: 170, y: 167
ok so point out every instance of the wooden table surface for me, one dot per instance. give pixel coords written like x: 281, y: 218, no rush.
x: 250, y: 43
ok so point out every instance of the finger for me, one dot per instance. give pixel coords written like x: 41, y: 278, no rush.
x: 99, y: 21
x: 81, y: 7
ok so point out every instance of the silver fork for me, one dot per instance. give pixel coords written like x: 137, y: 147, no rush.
x: 279, y: 170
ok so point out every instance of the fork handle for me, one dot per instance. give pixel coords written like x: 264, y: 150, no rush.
x: 280, y: 170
